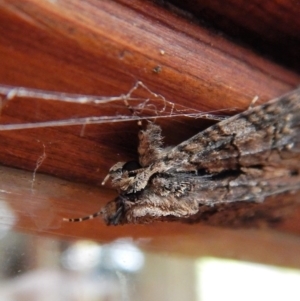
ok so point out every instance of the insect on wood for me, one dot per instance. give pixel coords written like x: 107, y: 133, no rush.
x: 244, y: 158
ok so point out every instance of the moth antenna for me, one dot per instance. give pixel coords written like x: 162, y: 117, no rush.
x: 81, y: 219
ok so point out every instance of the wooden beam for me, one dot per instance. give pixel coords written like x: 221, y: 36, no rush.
x: 103, y: 48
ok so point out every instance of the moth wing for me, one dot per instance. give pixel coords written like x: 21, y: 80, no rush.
x: 184, y: 196
x: 250, y: 138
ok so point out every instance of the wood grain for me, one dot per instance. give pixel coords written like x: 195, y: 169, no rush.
x: 104, y: 48
x: 272, y: 28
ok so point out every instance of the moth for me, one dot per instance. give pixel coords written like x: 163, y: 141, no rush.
x: 244, y: 158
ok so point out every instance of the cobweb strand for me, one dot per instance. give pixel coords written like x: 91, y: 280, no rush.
x: 168, y: 109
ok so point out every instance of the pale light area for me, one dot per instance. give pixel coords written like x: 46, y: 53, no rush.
x: 82, y: 255
x: 127, y: 256
x: 120, y: 255
x: 219, y: 279
x: 7, y: 218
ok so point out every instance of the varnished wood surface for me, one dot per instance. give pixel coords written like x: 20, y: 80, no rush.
x: 38, y: 206
x: 270, y: 27
x: 104, y: 48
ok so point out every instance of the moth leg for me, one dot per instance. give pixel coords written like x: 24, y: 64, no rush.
x: 150, y: 140
x: 253, y: 102
x: 115, y: 219
x: 150, y: 145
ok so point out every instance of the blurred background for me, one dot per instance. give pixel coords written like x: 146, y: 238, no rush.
x: 35, y: 268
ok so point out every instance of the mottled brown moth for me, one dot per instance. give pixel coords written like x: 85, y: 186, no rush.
x: 244, y: 158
